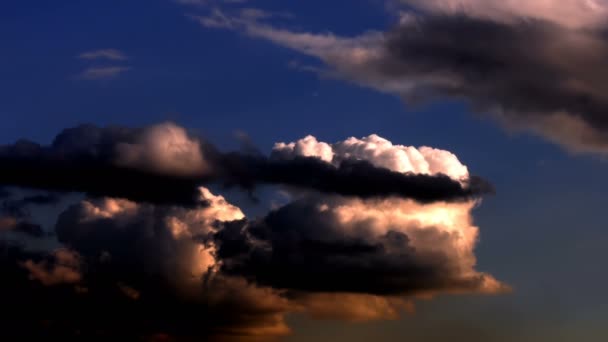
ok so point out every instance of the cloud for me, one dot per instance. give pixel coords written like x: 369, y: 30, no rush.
x: 210, y: 2
x: 64, y: 269
x: 570, y: 13
x: 109, y: 54
x: 15, y: 214
x: 106, y: 162
x: 370, y: 226
x: 20, y: 207
x: 103, y: 73
x: 523, y: 63
x: 127, y: 259
x: 145, y: 269
x: 163, y: 164
x: 323, y: 243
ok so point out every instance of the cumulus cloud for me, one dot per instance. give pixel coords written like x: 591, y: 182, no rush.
x: 380, y: 153
x: 321, y: 243
x: 144, y: 268
x: 164, y: 164
x: 535, y: 66
x: 63, y: 269
x: 338, y: 250
x: 107, y: 162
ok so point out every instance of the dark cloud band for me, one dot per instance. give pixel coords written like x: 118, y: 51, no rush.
x: 90, y: 159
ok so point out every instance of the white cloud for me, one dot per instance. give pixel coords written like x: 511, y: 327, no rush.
x: 432, y: 229
x: 109, y: 54
x: 381, y: 153
x: 164, y: 148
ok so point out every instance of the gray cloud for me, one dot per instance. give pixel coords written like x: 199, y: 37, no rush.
x: 109, y: 54
x: 526, y: 66
x: 163, y: 164
x: 304, y: 246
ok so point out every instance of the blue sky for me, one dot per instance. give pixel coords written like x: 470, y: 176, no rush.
x: 543, y: 232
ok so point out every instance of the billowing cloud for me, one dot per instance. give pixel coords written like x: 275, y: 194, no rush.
x: 65, y: 268
x: 534, y: 66
x: 164, y: 164
x: 147, y: 270
x: 369, y: 227
x: 108, y: 162
x: 321, y: 243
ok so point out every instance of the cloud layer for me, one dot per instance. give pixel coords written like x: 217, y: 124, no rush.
x: 164, y: 164
x: 154, y: 266
x: 535, y: 66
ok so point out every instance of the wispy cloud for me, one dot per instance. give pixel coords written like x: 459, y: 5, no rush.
x: 111, y: 54
x: 537, y: 71
x: 210, y: 2
x: 102, y: 73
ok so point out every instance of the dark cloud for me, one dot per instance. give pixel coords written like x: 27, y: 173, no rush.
x: 127, y: 277
x: 529, y: 70
x: 529, y: 67
x: 15, y: 213
x: 81, y: 160
x: 143, y: 165
x: 4, y: 193
x: 30, y: 229
x: 19, y: 208
x: 357, y: 178
x: 98, y: 309
x: 303, y: 247
x: 139, y: 271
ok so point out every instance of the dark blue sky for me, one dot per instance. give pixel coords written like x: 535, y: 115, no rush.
x: 544, y: 232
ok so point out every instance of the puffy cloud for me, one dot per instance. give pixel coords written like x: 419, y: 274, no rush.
x: 535, y: 66
x: 333, y: 252
x: 162, y: 164
x: 144, y: 268
x: 327, y: 244
x: 64, y: 269
x: 321, y: 243
x: 166, y: 149
x: 307, y: 147
x: 114, y: 161
x: 169, y: 241
x: 380, y: 153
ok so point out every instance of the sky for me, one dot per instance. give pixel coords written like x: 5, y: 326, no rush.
x: 261, y: 170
